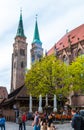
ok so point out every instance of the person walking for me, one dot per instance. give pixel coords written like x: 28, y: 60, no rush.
x: 36, y: 122
x: 2, y: 122
x: 50, y: 121
x: 81, y: 112
x: 24, y: 118
x: 20, y: 121
x: 76, y: 120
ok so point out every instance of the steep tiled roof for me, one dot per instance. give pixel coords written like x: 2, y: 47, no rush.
x: 75, y: 35
x: 19, y: 93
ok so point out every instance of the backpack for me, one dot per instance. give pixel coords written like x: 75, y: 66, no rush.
x: 19, y: 119
x: 37, y: 120
x: 76, y: 122
x: 82, y: 119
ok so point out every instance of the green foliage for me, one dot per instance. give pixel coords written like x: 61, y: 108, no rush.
x: 46, y: 77
x: 52, y: 76
x: 76, y: 72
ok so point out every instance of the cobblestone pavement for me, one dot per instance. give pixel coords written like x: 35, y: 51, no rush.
x: 14, y: 126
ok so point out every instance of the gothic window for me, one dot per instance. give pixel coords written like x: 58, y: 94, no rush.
x: 33, y: 58
x: 80, y: 52
x: 22, y: 52
x: 65, y: 59
x: 22, y: 64
x: 75, y: 53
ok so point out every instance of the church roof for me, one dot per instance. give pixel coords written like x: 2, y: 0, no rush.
x: 36, y: 38
x: 20, y: 30
x: 18, y: 94
x: 75, y: 35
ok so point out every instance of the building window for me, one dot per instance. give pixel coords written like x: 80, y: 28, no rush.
x: 80, y: 52
x: 22, y: 52
x: 22, y: 64
x: 33, y: 59
x: 65, y: 59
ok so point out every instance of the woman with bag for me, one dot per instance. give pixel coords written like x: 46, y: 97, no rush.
x: 20, y: 122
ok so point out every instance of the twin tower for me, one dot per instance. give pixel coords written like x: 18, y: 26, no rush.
x: 19, y: 55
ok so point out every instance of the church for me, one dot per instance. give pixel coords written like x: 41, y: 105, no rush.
x: 67, y: 48
x: 18, y: 99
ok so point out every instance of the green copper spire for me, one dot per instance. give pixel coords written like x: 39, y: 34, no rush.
x: 36, y: 38
x: 20, y: 30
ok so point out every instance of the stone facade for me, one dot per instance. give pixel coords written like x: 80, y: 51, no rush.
x: 19, y: 58
x: 19, y: 62
x: 3, y: 93
x: 77, y: 100
x: 70, y: 46
x: 36, y: 50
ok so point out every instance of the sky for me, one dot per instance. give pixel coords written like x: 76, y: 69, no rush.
x: 54, y: 18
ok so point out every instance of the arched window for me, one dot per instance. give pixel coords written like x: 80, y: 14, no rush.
x: 22, y: 52
x: 80, y: 52
x: 22, y: 64
x: 65, y: 59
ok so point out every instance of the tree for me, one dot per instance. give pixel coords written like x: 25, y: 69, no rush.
x: 76, y: 72
x: 48, y: 76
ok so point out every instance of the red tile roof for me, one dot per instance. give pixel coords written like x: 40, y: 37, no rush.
x: 75, y: 35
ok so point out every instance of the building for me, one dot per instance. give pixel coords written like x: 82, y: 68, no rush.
x: 19, y: 57
x: 67, y: 48
x: 70, y: 46
x: 36, y: 50
x: 19, y: 97
x: 3, y: 93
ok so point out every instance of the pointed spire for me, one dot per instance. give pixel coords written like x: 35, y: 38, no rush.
x: 20, y: 30
x: 36, y: 38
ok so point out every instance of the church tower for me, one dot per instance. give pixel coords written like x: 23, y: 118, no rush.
x: 19, y: 57
x: 36, y: 50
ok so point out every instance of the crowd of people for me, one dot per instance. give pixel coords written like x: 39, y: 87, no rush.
x: 45, y: 123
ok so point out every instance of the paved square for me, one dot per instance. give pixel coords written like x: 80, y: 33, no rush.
x: 14, y: 126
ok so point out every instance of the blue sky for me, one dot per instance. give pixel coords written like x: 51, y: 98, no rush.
x: 54, y: 18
